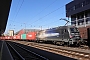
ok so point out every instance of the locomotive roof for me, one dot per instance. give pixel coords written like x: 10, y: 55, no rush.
x: 62, y: 27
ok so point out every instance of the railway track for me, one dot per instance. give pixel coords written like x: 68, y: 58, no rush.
x: 64, y: 51
x: 1, y: 49
x: 76, y: 53
x: 83, y: 47
x: 4, y: 51
x: 0, y: 45
x: 20, y: 53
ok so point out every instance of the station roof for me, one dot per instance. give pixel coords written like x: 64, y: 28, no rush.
x: 4, y: 13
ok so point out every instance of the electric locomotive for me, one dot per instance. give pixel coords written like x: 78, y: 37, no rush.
x: 63, y: 35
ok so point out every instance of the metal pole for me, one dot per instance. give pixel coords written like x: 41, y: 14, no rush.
x: 84, y: 20
x: 25, y: 27
x: 41, y: 27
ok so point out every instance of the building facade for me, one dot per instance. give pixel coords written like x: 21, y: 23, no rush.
x: 79, y: 12
x: 11, y: 32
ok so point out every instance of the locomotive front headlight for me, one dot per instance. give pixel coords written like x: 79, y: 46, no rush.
x: 71, y: 36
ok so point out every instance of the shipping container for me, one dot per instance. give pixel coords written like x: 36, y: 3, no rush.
x: 23, y: 36
x: 2, y: 38
x: 21, y: 32
x: 17, y: 37
x: 14, y: 37
x: 8, y: 37
x: 31, y: 36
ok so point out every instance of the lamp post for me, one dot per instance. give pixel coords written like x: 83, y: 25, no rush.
x: 25, y: 27
x: 40, y: 27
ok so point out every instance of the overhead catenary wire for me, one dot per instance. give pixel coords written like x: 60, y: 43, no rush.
x: 16, y: 9
x: 52, y: 21
x: 40, y: 12
x: 19, y: 9
x: 47, y: 14
x: 33, y: 17
x: 44, y: 9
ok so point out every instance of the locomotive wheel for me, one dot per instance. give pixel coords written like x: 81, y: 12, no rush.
x: 66, y: 44
x: 60, y: 43
x: 54, y: 42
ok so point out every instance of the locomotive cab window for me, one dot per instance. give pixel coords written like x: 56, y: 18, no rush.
x: 73, y: 29
x: 62, y: 31
x: 65, y: 31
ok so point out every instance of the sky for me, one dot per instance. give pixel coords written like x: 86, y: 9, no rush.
x: 36, y: 14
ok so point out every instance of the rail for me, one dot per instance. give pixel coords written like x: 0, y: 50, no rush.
x: 5, y: 53
x: 19, y: 56
x: 63, y: 51
x: 26, y: 50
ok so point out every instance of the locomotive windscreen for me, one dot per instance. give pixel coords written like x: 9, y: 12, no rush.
x: 73, y: 29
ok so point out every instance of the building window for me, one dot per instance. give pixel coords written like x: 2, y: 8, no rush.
x: 80, y: 16
x: 86, y: 2
x: 78, y: 5
x: 88, y: 14
x: 74, y: 7
x: 88, y: 21
x: 81, y: 22
x: 73, y: 18
x: 82, y: 4
x: 73, y: 23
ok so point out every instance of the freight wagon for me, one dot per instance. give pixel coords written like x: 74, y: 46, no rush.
x: 30, y: 36
x: 16, y: 37
x: 6, y: 38
x: 63, y: 35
